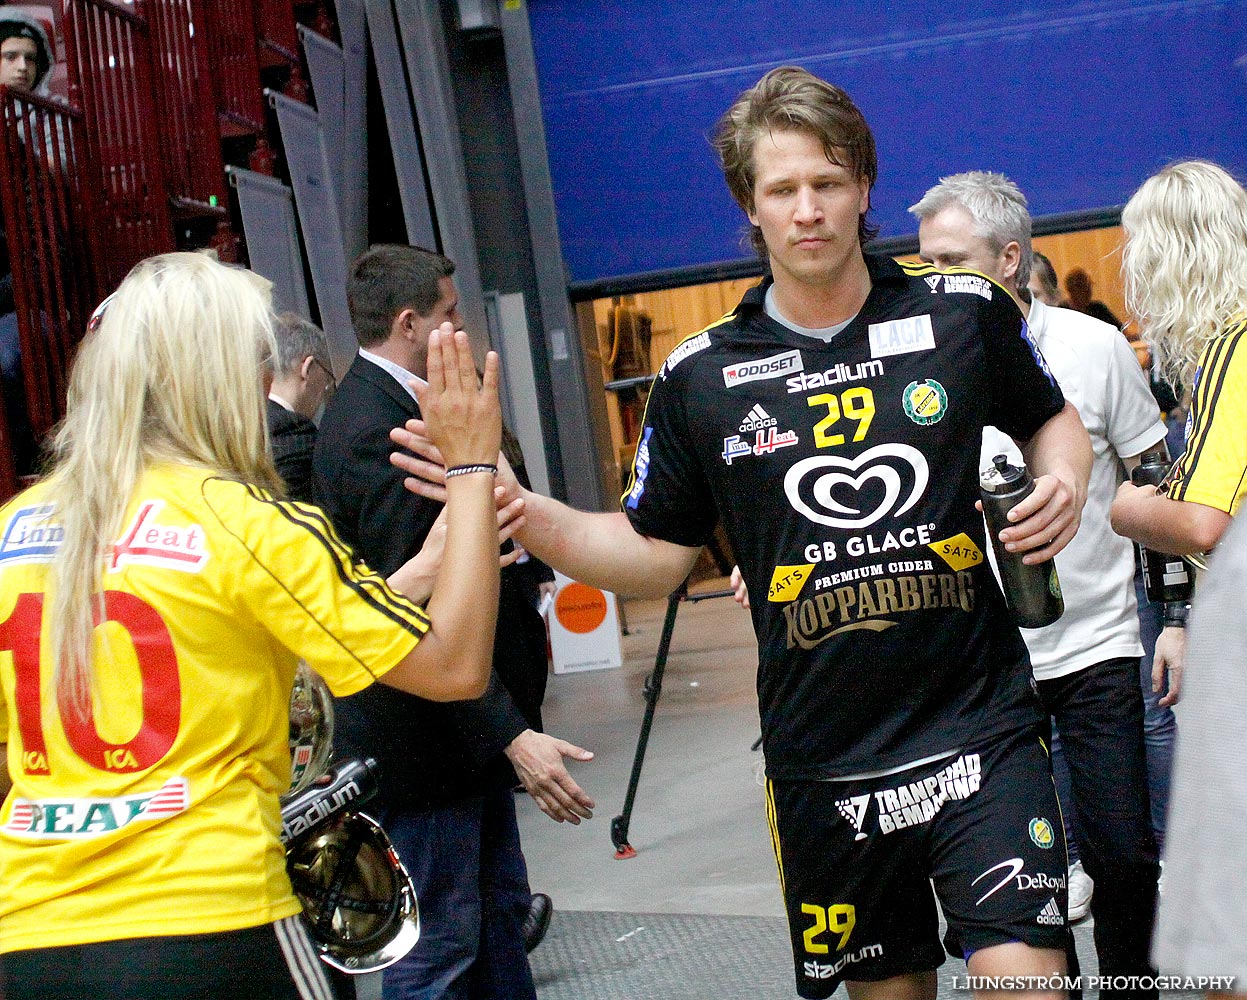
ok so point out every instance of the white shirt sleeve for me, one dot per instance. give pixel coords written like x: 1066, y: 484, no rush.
x: 1132, y: 417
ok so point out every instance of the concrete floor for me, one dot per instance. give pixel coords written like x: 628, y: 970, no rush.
x: 699, y: 824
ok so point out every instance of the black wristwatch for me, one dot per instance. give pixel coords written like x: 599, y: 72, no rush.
x: 1176, y: 614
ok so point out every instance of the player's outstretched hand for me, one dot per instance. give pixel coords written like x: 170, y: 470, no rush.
x: 538, y: 762
x: 461, y: 413
x: 1168, y: 662
x: 416, y: 577
x: 426, y: 468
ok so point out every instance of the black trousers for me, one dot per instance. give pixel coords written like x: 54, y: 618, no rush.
x: 1099, y: 712
x: 251, y: 963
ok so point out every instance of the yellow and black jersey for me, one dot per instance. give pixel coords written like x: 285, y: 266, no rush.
x: 156, y: 812
x: 845, y: 474
x: 1213, y: 469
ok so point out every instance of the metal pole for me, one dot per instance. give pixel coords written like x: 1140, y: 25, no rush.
x: 653, y: 690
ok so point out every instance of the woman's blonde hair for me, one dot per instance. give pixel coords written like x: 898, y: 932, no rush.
x: 172, y: 372
x: 1185, y: 260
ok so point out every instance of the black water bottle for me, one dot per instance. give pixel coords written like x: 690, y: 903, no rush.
x: 1033, y: 593
x: 1166, y: 577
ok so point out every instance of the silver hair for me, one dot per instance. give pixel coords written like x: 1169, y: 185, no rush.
x: 997, y: 206
x: 298, y: 338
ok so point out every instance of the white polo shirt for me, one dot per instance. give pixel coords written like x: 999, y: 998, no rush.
x: 1098, y: 372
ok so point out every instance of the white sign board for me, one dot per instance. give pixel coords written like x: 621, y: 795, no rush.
x: 584, y: 627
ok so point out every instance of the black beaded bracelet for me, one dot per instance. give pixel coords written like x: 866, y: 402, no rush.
x: 467, y: 470
x: 1176, y: 614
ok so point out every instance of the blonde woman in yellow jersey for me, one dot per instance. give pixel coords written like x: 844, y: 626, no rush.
x: 154, y: 598
x: 1185, y: 267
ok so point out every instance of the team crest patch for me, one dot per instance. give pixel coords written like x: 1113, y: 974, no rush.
x: 1041, y: 833
x: 925, y: 401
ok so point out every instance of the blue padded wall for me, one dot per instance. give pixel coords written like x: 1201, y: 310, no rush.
x: 1077, y: 102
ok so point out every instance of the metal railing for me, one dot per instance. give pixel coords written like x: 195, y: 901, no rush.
x: 48, y: 210
x: 277, y: 29
x: 186, y: 106
x: 108, y: 46
x: 235, y: 66
x: 86, y: 187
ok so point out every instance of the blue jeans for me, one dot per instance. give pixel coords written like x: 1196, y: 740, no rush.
x: 1060, y: 777
x: 472, y: 887
x: 1159, y: 725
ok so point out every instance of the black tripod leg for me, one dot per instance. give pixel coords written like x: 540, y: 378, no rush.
x: 652, y: 689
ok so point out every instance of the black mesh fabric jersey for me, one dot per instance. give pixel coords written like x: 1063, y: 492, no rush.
x: 845, y: 474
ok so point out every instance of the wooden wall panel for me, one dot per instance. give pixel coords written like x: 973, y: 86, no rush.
x: 678, y: 312
x: 1096, y: 251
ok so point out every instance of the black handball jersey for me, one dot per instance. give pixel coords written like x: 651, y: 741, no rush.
x: 845, y: 474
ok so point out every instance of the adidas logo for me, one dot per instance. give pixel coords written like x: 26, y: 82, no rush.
x: 1051, y: 915
x: 757, y: 419
x: 933, y: 280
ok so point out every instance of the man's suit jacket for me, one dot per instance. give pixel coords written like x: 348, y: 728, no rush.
x: 293, y: 437
x: 429, y: 752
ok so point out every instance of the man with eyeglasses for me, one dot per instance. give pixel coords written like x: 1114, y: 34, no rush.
x: 302, y: 381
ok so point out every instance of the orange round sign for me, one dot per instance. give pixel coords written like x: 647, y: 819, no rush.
x: 580, y: 608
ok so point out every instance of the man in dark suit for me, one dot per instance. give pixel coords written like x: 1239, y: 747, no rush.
x: 302, y: 380
x: 447, y: 770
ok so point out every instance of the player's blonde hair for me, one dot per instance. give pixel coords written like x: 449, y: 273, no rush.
x: 1185, y: 260
x: 171, y: 371
x: 793, y: 99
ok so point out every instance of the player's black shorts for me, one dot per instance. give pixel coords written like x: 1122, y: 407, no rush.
x: 857, y: 859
